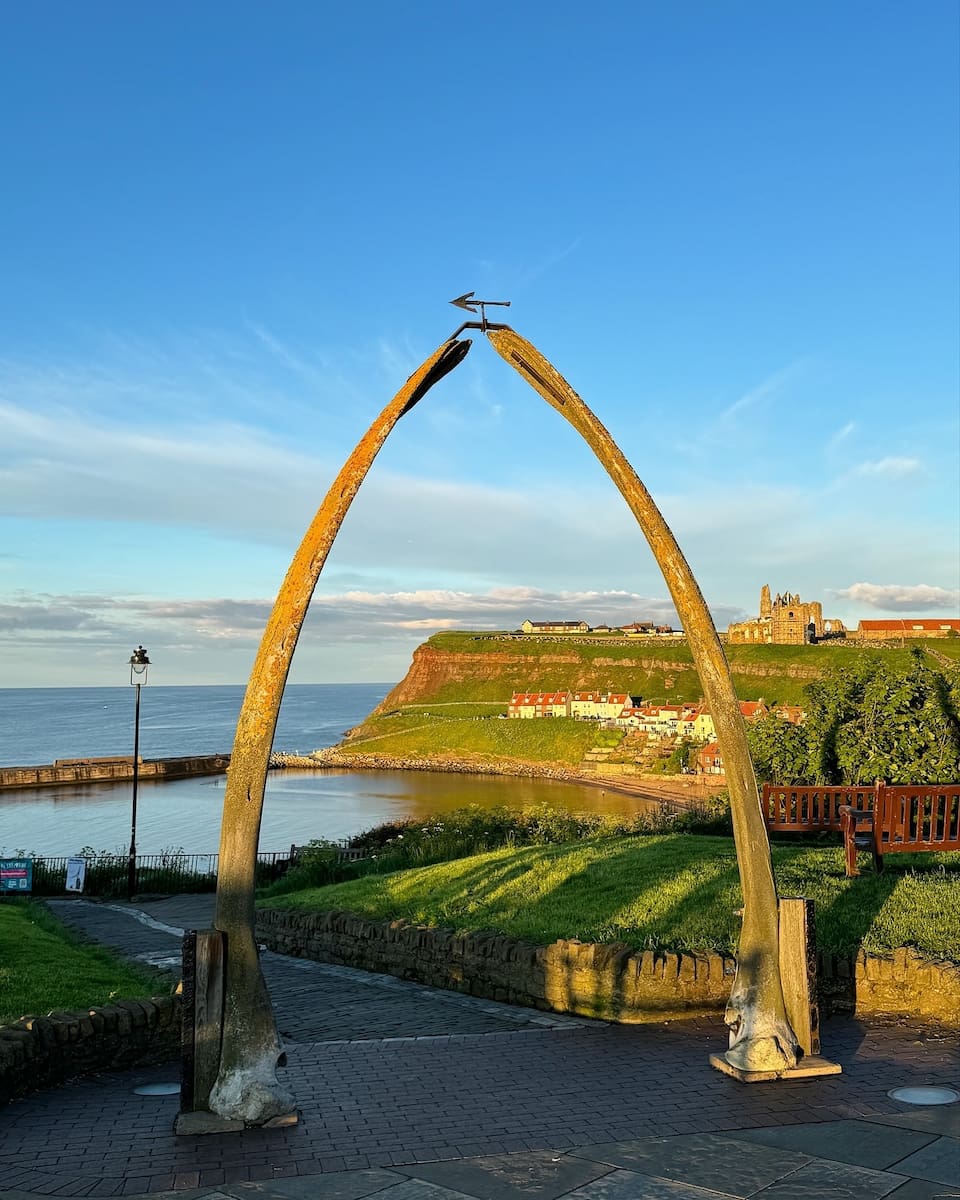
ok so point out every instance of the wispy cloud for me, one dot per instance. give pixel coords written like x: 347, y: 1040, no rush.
x: 764, y: 390
x: 889, y: 468
x: 896, y: 597
x: 289, y: 358
x: 533, y: 273
x: 840, y: 436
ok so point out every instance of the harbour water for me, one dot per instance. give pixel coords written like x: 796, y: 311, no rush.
x: 39, y: 725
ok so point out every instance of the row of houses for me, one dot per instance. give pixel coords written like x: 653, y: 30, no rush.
x: 659, y: 721
x: 634, y: 629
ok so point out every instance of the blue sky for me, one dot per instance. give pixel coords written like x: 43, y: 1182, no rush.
x: 230, y: 231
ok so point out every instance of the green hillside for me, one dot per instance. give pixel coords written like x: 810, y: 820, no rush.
x: 473, y: 667
x: 460, y: 682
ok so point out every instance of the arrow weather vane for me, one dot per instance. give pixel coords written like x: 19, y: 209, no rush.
x: 471, y: 304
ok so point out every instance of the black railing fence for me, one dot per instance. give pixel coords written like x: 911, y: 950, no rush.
x: 173, y: 871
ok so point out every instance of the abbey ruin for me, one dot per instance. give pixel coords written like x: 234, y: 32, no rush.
x: 785, y: 621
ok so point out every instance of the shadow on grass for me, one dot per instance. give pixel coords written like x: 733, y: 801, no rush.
x: 665, y: 893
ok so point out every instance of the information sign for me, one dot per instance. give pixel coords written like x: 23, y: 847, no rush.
x: 76, y: 874
x: 16, y: 874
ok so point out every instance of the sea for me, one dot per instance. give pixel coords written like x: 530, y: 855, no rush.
x: 40, y: 725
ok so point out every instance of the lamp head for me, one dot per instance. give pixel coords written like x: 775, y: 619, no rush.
x: 138, y: 666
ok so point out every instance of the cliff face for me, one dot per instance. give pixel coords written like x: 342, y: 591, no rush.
x: 433, y: 672
x: 497, y: 668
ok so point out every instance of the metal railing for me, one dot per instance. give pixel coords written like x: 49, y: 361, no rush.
x: 169, y: 872
x: 106, y: 874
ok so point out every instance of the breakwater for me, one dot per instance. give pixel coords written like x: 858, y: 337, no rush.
x: 111, y: 770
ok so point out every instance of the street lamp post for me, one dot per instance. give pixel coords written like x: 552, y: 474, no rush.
x: 138, y: 676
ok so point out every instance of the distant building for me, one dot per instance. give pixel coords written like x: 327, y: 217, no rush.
x: 539, y: 704
x: 710, y: 760
x: 896, y: 628
x: 585, y: 705
x: 555, y: 627
x: 646, y: 629
x: 784, y: 621
x: 660, y: 720
x: 697, y: 723
x: 612, y: 705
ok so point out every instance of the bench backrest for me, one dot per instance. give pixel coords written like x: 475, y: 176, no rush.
x: 918, y: 817
x: 798, y: 809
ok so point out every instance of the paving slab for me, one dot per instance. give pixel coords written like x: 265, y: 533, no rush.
x: 939, y: 1118
x: 861, y: 1143
x: 721, y: 1164
x: 352, y: 1185
x: 820, y: 1180
x: 543, y: 1174
x: 923, y: 1189
x: 938, y: 1161
x: 628, y: 1185
x: 418, y: 1189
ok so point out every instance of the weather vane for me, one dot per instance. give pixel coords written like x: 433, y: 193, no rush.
x: 468, y: 301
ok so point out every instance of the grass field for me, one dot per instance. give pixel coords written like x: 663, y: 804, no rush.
x: 671, y: 891
x: 43, y: 967
x: 420, y: 733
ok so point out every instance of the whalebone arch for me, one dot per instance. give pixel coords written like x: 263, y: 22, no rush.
x: 761, y: 1036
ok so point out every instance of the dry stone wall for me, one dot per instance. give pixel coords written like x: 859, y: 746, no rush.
x: 608, y: 981
x: 37, y: 1052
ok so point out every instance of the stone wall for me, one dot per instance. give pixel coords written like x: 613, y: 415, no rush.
x: 609, y: 981
x: 900, y: 984
x: 111, y: 770
x: 37, y: 1052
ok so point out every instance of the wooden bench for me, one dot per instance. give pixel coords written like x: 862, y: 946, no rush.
x: 902, y: 820
x: 881, y: 819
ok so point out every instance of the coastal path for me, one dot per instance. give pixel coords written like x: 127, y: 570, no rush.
x: 410, y: 1093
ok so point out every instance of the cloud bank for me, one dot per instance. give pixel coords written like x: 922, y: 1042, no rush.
x: 896, y: 597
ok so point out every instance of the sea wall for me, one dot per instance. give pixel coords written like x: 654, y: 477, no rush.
x: 609, y: 981
x: 37, y: 1052
x: 100, y: 770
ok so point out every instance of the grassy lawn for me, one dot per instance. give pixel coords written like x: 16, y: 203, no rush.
x: 419, y: 735
x: 671, y: 891
x: 43, y: 967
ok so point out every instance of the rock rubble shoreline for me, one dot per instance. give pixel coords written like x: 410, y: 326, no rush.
x: 654, y: 790
x: 455, y: 766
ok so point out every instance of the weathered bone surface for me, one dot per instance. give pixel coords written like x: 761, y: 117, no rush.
x: 761, y: 1038
x: 247, y: 1087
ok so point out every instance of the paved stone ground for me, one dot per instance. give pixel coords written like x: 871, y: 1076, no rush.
x: 414, y: 1094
